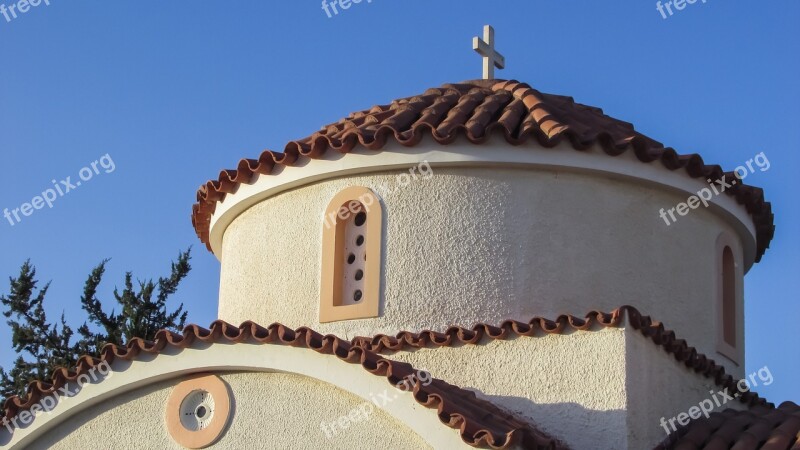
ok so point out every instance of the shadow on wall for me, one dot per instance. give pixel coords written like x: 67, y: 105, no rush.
x: 571, y: 423
x: 583, y: 428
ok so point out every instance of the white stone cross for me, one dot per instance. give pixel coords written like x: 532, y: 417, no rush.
x: 491, y: 58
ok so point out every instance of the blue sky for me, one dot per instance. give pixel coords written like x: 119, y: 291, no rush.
x: 175, y: 91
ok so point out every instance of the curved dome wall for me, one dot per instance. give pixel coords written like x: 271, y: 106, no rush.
x: 519, y: 234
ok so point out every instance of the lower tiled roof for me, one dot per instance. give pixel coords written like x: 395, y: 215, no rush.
x: 480, y: 423
x: 653, y: 330
x: 758, y: 428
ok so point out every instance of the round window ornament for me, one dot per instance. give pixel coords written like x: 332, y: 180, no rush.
x: 198, y: 411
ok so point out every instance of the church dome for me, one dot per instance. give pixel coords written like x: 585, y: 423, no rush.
x: 476, y: 109
x: 490, y: 201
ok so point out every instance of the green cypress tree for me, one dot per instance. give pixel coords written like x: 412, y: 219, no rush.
x: 42, y: 346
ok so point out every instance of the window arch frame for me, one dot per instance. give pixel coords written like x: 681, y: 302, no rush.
x: 729, y: 298
x: 339, y: 214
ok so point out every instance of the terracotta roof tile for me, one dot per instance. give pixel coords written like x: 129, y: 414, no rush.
x: 758, y: 428
x: 476, y: 110
x: 538, y: 326
x: 480, y: 423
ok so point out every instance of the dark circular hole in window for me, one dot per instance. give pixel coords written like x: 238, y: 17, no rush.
x: 361, y: 218
x: 360, y: 240
x: 351, y: 259
x: 357, y: 295
x: 359, y: 275
x: 201, y: 411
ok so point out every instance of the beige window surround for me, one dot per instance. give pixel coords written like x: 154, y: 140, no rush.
x: 216, y: 409
x: 729, y: 302
x: 351, y: 256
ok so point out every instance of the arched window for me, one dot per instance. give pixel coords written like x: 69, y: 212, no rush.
x: 729, y: 302
x: 728, y: 297
x: 351, y: 258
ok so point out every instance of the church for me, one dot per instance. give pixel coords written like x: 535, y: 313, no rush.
x: 481, y: 265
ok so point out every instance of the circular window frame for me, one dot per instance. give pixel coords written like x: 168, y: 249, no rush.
x: 187, y: 438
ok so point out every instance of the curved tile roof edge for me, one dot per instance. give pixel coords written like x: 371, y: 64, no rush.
x: 480, y: 423
x: 454, y: 405
x: 476, y: 110
x: 651, y: 329
x: 763, y: 428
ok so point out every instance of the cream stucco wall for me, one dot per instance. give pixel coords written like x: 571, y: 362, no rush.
x: 271, y: 410
x: 570, y: 386
x: 475, y: 244
x: 659, y: 386
x: 605, y: 388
